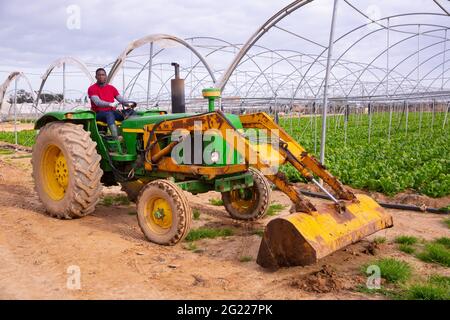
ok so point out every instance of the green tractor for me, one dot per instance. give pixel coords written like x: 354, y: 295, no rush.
x: 75, y: 155
x: 160, y: 155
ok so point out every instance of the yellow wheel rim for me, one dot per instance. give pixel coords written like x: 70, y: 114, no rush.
x: 243, y: 200
x: 55, y: 172
x: 158, y: 214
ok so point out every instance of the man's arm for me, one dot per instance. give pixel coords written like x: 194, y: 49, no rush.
x: 121, y: 99
x: 101, y: 103
x: 118, y: 97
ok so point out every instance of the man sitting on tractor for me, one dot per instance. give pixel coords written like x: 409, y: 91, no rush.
x: 102, y: 97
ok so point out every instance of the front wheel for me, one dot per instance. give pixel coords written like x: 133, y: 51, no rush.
x: 164, y: 214
x: 250, y: 203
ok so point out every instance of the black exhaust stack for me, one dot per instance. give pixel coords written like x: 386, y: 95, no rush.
x: 177, y: 87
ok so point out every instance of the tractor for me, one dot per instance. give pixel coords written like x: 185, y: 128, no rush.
x: 160, y: 155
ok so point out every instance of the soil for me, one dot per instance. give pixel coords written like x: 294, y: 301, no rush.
x: 326, y: 280
x: 409, y: 197
x: 38, y: 253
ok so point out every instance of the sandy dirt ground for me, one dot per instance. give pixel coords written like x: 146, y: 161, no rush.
x: 37, y: 253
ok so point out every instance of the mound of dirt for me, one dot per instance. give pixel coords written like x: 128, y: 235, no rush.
x: 410, y: 197
x: 325, y: 280
x: 372, y: 248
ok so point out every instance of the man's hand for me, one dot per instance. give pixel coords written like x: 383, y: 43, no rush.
x: 114, y: 104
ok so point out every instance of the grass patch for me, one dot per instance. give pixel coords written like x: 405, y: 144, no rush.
x: 441, y: 281
x: 436, y: 288
x: 5, y: 152
x: 132, y: 213
x: 392, y: 270
x: 379, y: 240
x: 447, y: 222
x: 216, y: 202
x: 402, y: 286
x: 107, y: 201
x: 426, y: 292
x: 115, y: 200
x: 258, y: 232
x: 436, y: 253
x: 191, y: 246
x: 196, y: 214
x: 24, y: 137
x: 408, y: 240
x: 274, y: 209
x: 390, y: 293
x: 445, y: 241
x: 406, y: 248
x: 23, y: 156
x: 208, y: 233
x: 245, y: 259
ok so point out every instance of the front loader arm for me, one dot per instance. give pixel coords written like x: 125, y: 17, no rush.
x: 296, y: 154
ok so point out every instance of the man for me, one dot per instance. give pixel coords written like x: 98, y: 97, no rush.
x: 102, y: 97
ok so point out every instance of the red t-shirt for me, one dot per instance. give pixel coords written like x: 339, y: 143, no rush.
x: 106, y: 93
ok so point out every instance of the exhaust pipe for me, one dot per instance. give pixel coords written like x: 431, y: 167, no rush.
x: 177, y: 88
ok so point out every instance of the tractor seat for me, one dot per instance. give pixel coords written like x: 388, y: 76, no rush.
x: 104, y: 124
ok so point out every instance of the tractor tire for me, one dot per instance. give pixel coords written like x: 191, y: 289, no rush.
x: 133, y: 188
x: 270, y: 185
x: 66, y: 170
x: 163, y: 212
x: 250, y: 203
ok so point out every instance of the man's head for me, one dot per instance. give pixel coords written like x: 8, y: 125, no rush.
x: 100, y: 76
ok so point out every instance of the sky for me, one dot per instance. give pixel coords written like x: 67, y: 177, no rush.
x: 35, y: 33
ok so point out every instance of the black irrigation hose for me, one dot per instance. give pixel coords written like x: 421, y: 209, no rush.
x: 384, y: 204
x: 412, y: 208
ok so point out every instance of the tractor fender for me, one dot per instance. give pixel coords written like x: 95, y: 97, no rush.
x: 69, y: 116
x: 85, y: 117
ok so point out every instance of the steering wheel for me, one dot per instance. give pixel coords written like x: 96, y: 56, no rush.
x: 129, y: 105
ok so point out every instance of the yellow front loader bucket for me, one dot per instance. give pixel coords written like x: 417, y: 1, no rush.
x: 303, y: 238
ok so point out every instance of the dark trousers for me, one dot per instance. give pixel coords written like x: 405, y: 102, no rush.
x: 111, y: 116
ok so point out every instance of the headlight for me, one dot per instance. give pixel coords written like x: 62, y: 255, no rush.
x: 214, y: 156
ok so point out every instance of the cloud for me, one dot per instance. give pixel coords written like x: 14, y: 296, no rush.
x: 33, y: 34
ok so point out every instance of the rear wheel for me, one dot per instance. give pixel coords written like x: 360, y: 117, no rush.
x: 164, y: 214
x: 66, y: 170
x: 249, y: 203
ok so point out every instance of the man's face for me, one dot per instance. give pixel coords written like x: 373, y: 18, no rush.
x: 100, y: 76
